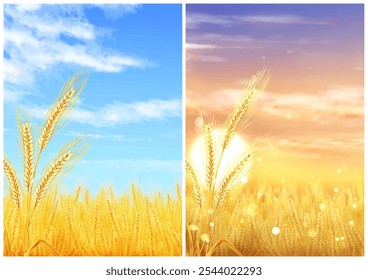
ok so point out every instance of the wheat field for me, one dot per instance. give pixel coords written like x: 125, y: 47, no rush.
x: 79, y: 224
x: 225, y: 216
x: 280, y: 220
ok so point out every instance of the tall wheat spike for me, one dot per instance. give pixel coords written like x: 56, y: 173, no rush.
x: 229, y: 179
x: 50, y: 175
x: 256, y: 83
x: 62, y: 107
x: 197, y: 187
x: 28, y: 156
x: 54, y: 117
x: 210, y: 156
x: 15, y: 190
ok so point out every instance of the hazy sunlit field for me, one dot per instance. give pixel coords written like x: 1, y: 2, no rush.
x: 281, y: 220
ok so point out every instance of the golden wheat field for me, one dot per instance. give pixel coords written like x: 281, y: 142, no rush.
x: 282, y: 220
x: 228, y: 215
x: 80, y: 224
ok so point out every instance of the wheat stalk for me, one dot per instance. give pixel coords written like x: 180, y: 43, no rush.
x: 197, y: 187
x: 68, y: 97
x: 112, y: 216
x: 236, y: 117
x: 229, y: 180
x: 15, y: 190
x: 28, y: 156
x: 210, y: 155
x: 257, y: 81
x: 50, y: 175
x: 54, y: 117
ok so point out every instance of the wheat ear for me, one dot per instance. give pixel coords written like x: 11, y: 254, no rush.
x: 50, y: 175
x: 197, y: 187
x: 256, y: 83
x: 210, y: 155
x: 28, y: 156
x: 54, y: 117
x: 229, y: 180
x: 15, y: 189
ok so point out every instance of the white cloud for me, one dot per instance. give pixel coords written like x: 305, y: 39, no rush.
x: 51, y: 21
x: 120, y: 113
x: 116, y: 11
x: 194, y: 46
x: 14, y: 96
x: 28, y: 7
x: 37, y: 38
x: 113, y: 137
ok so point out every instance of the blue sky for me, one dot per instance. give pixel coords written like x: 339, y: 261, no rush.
x: 131, y: 105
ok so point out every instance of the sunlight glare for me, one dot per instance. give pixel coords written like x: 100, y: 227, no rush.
x: 233, y: 152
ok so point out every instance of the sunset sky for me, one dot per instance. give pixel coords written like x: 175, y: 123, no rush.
x: 308, y: 124
x: 131, y: 105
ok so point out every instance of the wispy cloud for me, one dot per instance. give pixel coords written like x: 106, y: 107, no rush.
x: 170, y: 135
x: 116, y: 11
x: 194, y: 46
x: 14, y: 96
x: 113, y: 137
x: 194, y: 20
x: 220, y: 42
x: 39, y: 37
x: 343, y: 102
x: 211, y: 47
x: 205, y: 58
x: 119, y: 113
x: 281, y: 19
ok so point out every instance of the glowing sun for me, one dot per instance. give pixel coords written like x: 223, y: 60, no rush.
x: 231, y: 155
